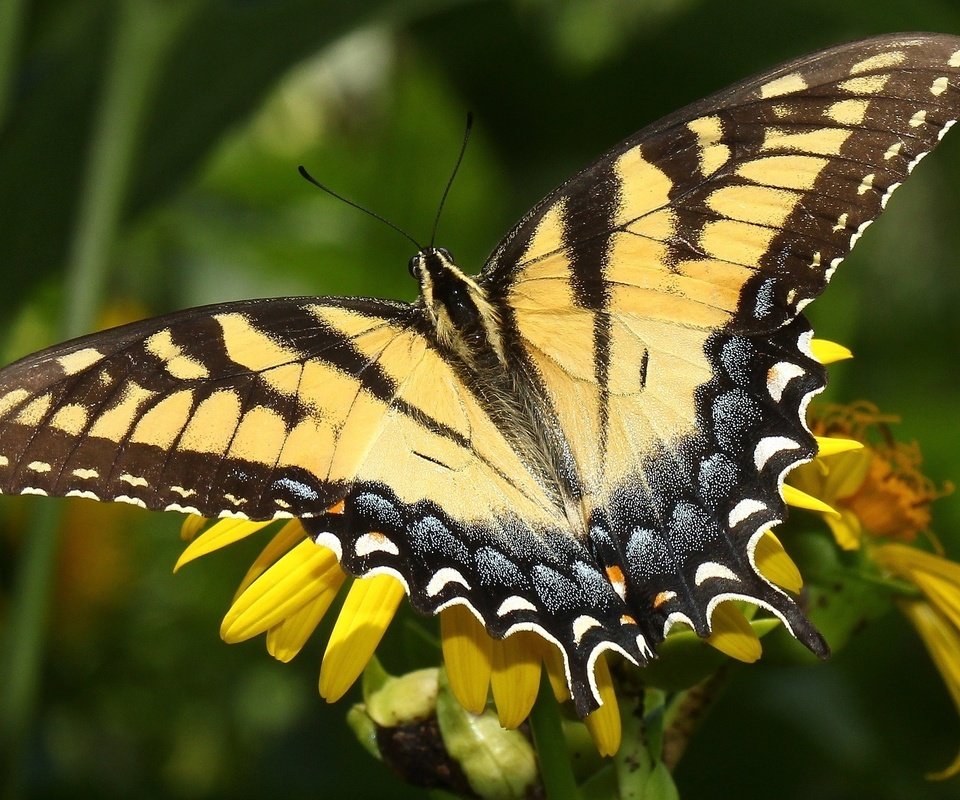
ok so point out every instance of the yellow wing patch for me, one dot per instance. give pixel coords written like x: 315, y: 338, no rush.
x: 161, y: 425
x: 212, y: 424
x: 713, y: 153
x: 788, y: 172
x: 787, y: 84
x: 644, y: 187
x: 819, y: 141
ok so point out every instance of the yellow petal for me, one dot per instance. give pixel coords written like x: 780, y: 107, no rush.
x: 846, y: 473
x: 846, y: 529
x: 515, y: 678
x: 827, y: 352
x: 289, y: 535
x: 306, y: 574
x: 366, y: 614
x: 794, y: 497
x: 775, y: 565
x: 943, y: 595
x: 556, y: 673
x: 953, y: 768
x: 943, y: 643
x: 226, y: 531
x: 192, y: 525
x: 468, y: 655
x: 732, y: 634
x: 831, y: 446
x: 902, y: 559
x: 287, y: 637
x: 604, y: 723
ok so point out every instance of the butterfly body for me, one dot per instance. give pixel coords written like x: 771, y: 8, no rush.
x: 586, y: 440
x: 459, y: 310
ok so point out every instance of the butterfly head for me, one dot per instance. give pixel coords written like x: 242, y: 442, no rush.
x: 462, y: 316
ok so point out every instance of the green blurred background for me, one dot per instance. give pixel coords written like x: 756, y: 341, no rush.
x: 155, y: 142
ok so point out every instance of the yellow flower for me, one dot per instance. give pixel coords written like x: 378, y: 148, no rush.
x: 881, y: 495
x: 936, y: 615
x: 293, y: 582
x: 878, y: 489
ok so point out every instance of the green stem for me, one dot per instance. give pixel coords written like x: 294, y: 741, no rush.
x: 556, y: 771
x: 145, y: 29
x: 892, y: 585
x: 12, y: 16
x: 641, y: 774
x: 24, y: 643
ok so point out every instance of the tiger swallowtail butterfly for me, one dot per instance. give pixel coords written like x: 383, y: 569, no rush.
x: 587, y: 439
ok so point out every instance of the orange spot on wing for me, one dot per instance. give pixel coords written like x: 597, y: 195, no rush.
x: 337, y: 508
x: 661, y: 598
x: 614, y: 574
x: 617, y: 581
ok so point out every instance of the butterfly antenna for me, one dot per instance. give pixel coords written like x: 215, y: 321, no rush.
x: 308, y: 177
x: 456, y: 168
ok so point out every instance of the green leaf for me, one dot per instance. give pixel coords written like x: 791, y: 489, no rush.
x: 223, y: 63
x: 641, y: 775
x: 684, y: 659
x: 499, y: 764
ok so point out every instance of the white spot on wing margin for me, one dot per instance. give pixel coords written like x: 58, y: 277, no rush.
x: 515, y: 603
x: 744, y: 509
x: 442, y: 577
x: 375, y: 543
x: 581, y: 625
x: 709, y: 570
x: 769, y: 446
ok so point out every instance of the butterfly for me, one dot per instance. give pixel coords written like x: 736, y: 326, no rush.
x: 587, y: 439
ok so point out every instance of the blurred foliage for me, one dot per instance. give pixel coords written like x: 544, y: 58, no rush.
x: 138, y: 694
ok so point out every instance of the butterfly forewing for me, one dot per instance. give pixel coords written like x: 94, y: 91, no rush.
x: 233, y: 409
x: 776, y: 175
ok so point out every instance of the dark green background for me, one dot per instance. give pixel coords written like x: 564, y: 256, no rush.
x: 138, y: 694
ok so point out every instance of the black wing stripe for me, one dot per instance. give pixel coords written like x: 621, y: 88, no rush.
x: 35, y: 444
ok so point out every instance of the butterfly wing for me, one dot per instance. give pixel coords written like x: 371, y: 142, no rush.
x: 236, y: 409
x: 342, y: 413
x: 656, y: 297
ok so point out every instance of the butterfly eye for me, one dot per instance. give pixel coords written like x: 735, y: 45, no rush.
x: 413, y: 265
x: 445, y: 254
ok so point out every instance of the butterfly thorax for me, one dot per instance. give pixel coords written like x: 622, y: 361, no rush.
x: 468, y: 325
x: 463, y: 318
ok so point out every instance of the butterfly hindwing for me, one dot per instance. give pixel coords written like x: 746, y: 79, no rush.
x: 512, y: 573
